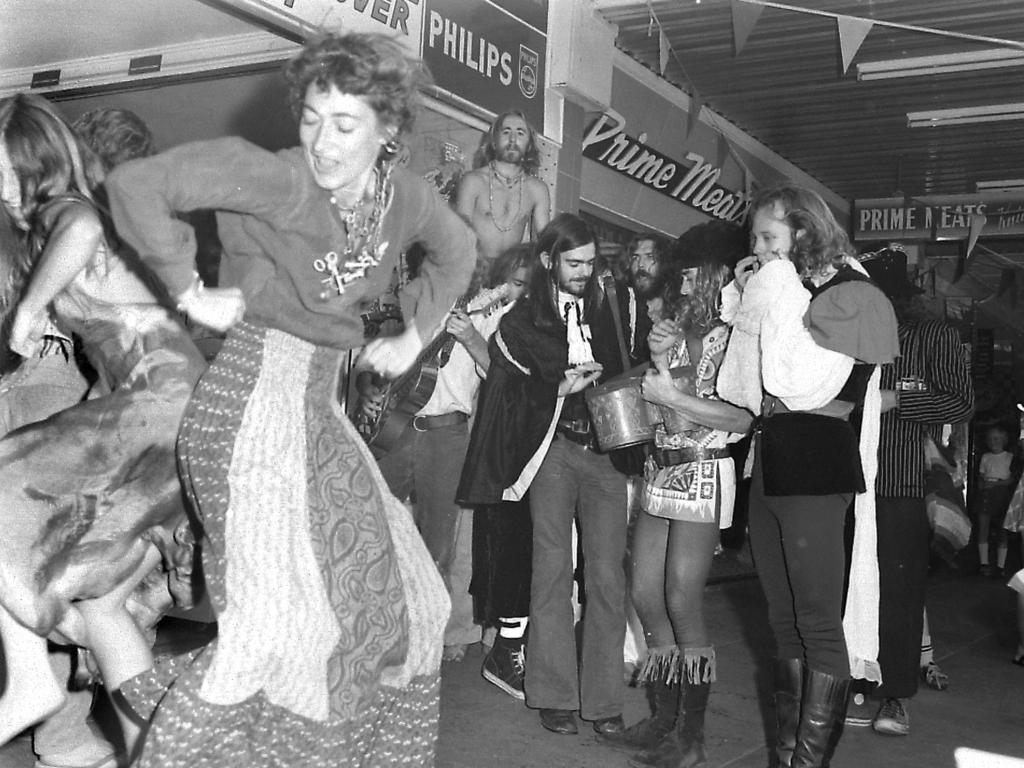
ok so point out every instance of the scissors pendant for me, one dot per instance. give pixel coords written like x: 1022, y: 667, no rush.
x: 329, y: 264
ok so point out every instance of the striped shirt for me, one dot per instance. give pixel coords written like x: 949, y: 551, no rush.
x: 930, y: 353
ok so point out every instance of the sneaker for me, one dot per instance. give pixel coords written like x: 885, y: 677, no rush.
x: 861, y: 711
x: 893, y: 718
x: 505, y: 666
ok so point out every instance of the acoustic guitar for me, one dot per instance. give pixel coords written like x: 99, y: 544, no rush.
x: 404, y: 396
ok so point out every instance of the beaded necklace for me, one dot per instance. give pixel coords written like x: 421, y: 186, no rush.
x: 363, y: 250
x: 517, y: 182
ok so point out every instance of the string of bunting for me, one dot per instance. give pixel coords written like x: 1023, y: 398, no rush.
x: 852, y: 29
x: 852, y: 32
x: 723, y: 148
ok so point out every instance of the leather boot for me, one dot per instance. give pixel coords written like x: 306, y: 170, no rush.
x: 684, y: 747
x: 649, y: 732
x: 822, y: 714
x: 789, y: 680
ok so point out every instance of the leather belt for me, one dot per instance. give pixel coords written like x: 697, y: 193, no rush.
x: 427, y: 423
x: 837, y: 409
x: 669, y: 457
x: 577, y: 431
x: 576, y: 426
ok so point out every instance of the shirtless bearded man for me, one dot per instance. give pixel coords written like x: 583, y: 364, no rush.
x: 499, y: 198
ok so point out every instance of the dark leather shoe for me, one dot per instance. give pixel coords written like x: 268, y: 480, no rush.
x: 559, y: 721
x: 610, y: 726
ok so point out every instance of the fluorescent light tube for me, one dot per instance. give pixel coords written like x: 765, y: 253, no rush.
x: 946, y: 63
x: 998, y: 185
x: 989, y: 113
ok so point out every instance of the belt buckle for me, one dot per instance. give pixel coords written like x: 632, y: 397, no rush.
x: 416, y: 424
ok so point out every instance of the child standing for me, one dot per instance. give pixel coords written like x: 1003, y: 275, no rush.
x: 996, y: 487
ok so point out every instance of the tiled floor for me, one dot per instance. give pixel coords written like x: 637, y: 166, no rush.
x: 974, y: 634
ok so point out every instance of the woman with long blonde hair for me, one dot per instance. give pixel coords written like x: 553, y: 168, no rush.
x: 688, y: 493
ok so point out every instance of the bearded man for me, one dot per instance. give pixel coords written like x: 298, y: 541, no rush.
x: 503, y: 195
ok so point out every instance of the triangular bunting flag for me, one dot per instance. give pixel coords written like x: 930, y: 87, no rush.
x: 967, y: 246
x: 852, y: 32
x: 744, y: 17
x: 977, y: 224
x: 663, y: 51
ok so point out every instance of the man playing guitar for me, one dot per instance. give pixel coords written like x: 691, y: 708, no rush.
x: 418, y: 426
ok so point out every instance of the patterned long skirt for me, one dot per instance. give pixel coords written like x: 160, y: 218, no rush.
x: 330, y: 611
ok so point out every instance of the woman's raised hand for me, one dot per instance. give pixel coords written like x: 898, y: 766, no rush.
x: 745, y: 267
x: 658, y: 386
x: 663, y: 336
x: 216, y: 308
x: 393, y: 355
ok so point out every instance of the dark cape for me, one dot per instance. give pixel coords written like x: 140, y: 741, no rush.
x: 518, y: 398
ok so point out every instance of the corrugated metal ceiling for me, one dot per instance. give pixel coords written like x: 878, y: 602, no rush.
x: 786, y: 87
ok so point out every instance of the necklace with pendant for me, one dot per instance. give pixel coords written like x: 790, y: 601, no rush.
x: 509, y: 182
x: 363, y: 249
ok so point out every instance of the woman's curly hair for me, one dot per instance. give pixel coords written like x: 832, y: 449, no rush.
x: 713, y: 248
x: 818, y: 240
x: 373, y: 66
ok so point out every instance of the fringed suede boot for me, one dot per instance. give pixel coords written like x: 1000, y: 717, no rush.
x: 789, y: 681
x: 684, y: 747
x: 822, y: 714
x: 659, y: 671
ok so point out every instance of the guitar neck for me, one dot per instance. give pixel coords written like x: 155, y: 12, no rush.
x: 486, y: 302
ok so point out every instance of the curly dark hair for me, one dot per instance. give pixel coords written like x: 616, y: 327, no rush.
x: 488, y: 151
x: 115, y: 135
x: 360, y: 64
x: 508, y: 261
x: 818, y: 240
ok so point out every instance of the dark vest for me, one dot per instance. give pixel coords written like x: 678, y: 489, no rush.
x: 810, y: 454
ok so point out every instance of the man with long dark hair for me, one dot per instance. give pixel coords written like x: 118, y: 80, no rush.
x: 533, y: 430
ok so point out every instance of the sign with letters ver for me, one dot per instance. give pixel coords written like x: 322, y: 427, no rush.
x: 485, y: 55
x: 945, y: 217
x: 401, y: 19
x: 692, y: 181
